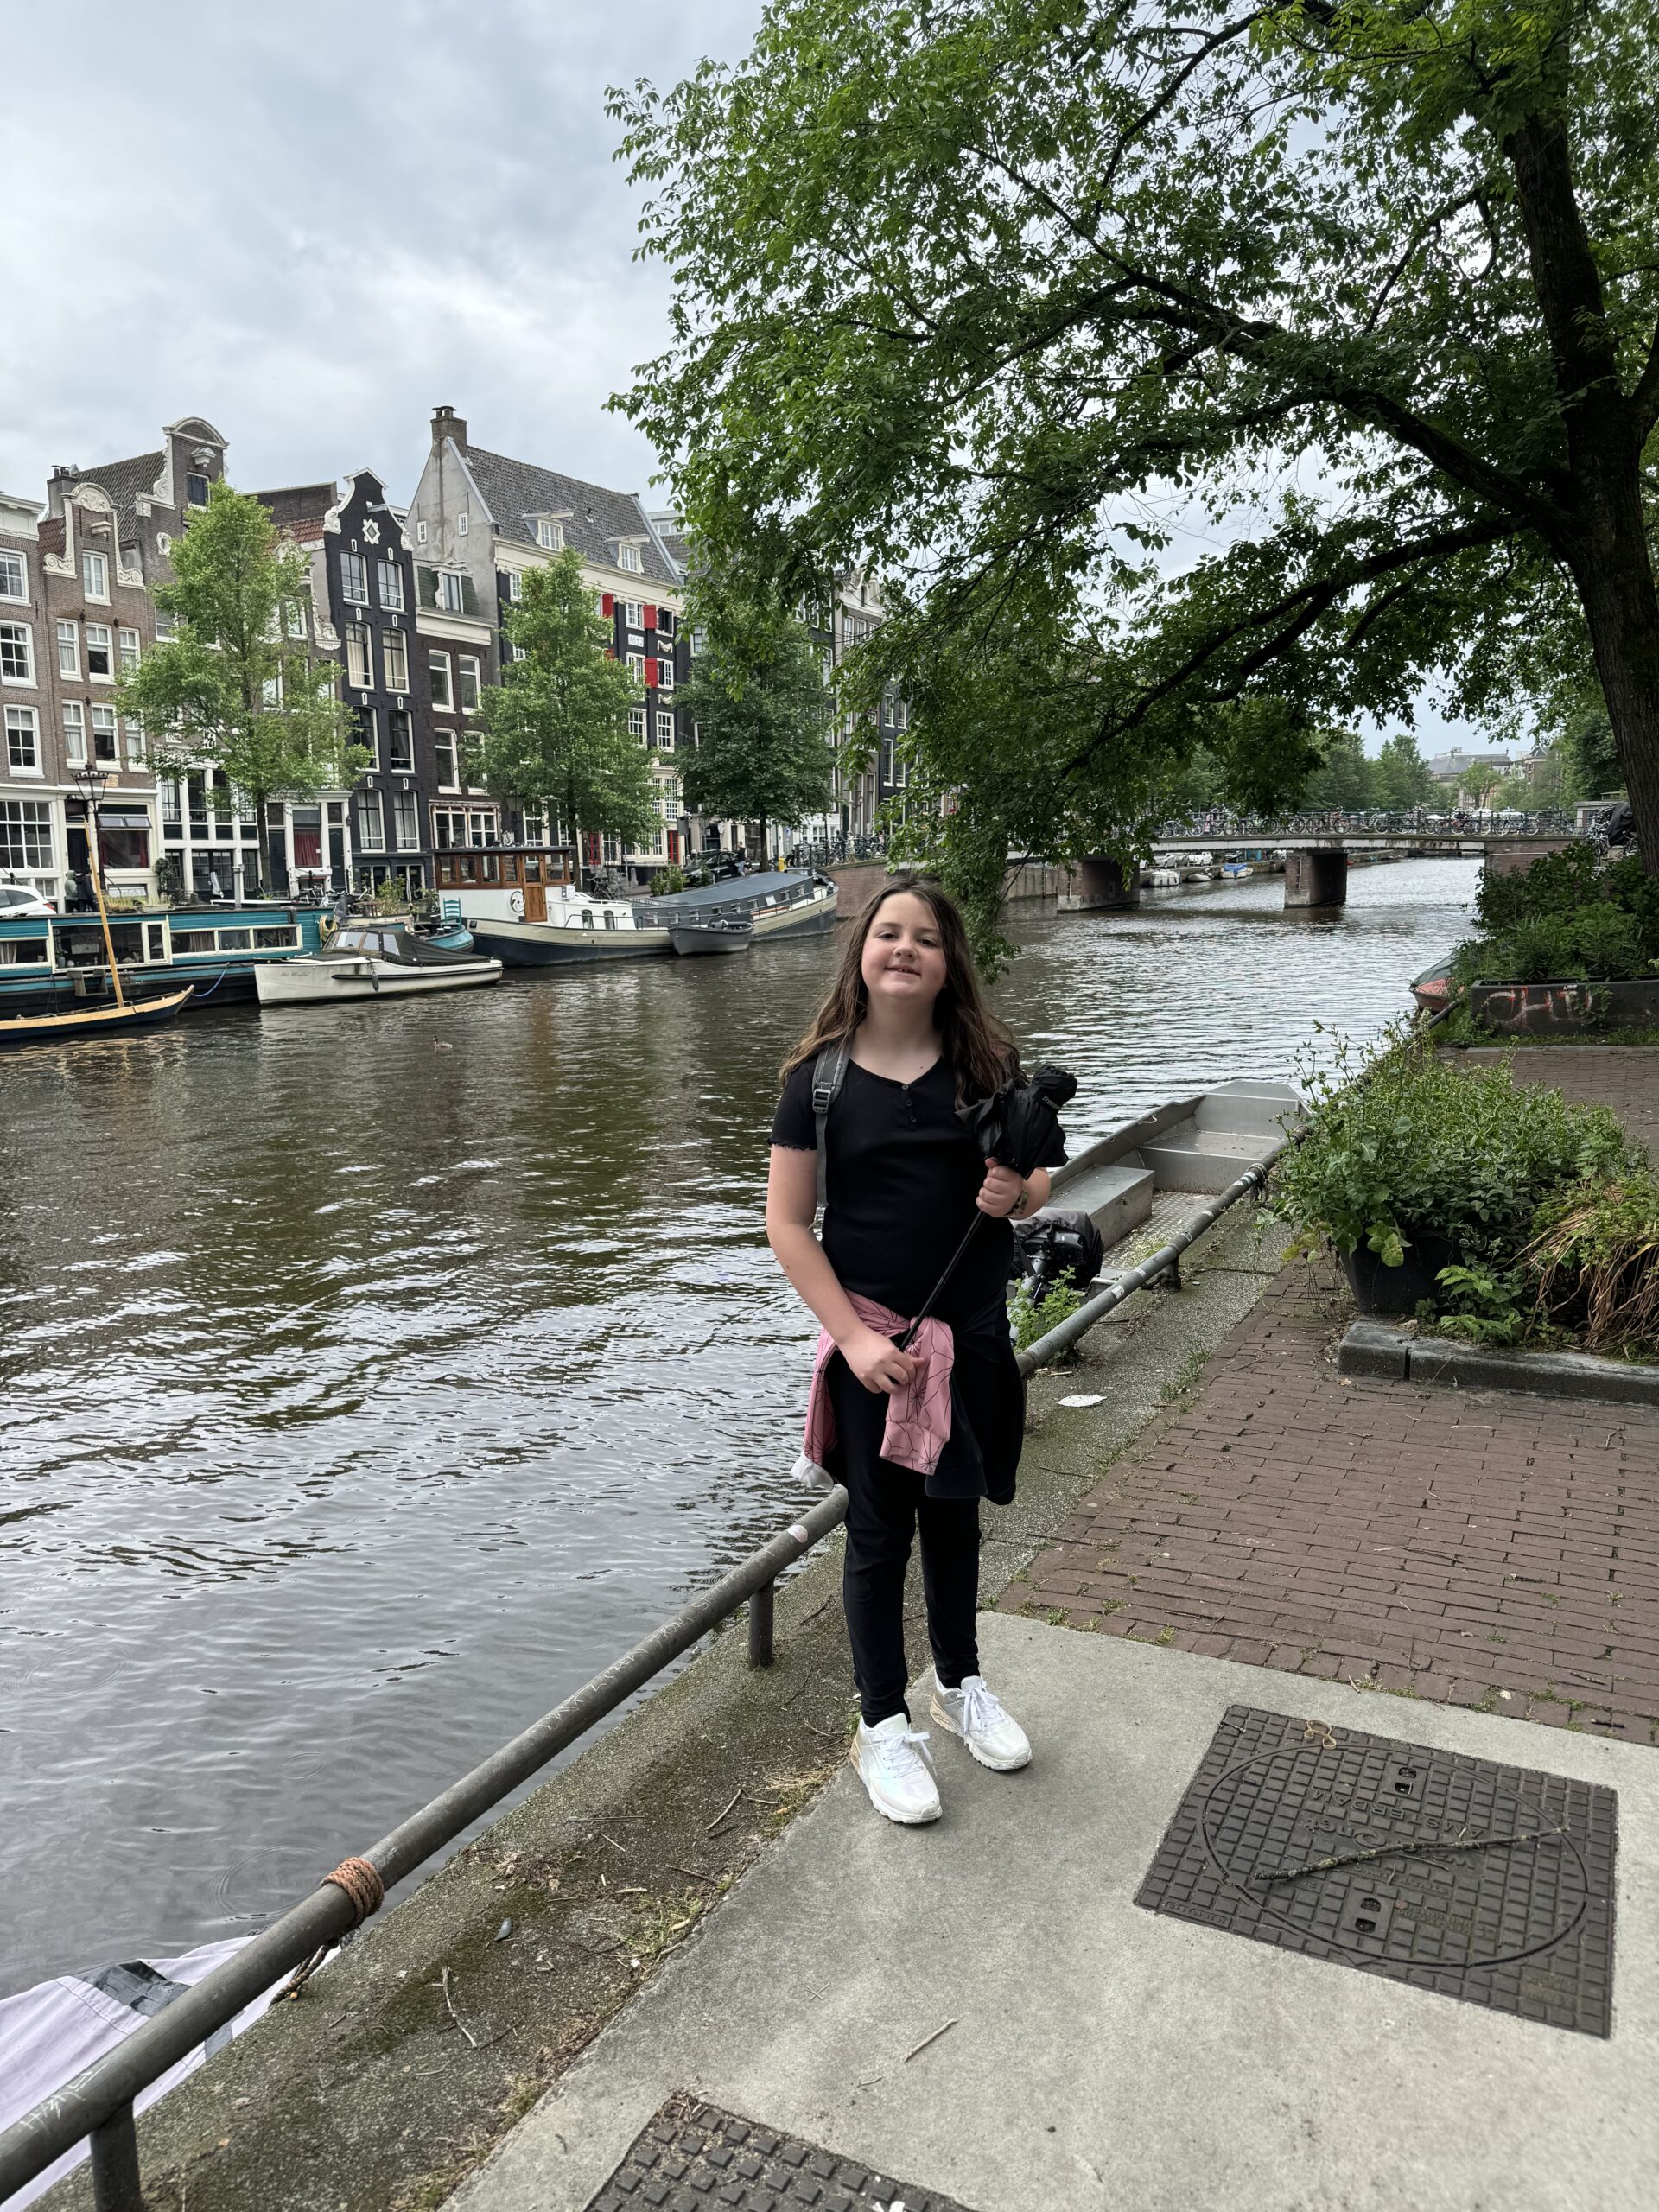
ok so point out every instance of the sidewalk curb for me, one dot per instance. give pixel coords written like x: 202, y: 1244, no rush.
x: 1381, y: 1354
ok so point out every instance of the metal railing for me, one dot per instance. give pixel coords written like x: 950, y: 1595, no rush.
x: 100, y: 2101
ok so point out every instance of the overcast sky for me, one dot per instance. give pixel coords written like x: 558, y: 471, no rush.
x: 311, y: 223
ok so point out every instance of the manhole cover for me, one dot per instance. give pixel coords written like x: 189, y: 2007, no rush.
x: 1490, y: 1883
x: 690, y: 2157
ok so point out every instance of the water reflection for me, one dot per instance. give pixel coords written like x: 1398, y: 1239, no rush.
x: 373, y: 1374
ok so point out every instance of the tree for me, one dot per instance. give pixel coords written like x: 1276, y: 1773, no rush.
x: 236, y: 690
x: 554, y: 733
x: 994, y: 298
x: 1403, y: 776
x: 762, y: 710
x: 1345, y: 781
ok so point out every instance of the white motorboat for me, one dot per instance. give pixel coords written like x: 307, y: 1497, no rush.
x: 370, y: 960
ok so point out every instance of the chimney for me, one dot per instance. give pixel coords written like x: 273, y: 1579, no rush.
x: 446, y: 423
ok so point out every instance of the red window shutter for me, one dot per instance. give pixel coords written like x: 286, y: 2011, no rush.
x: 608, y: 605
x: 610, y: 652
x: 650, y: 674
x: 651, y: 618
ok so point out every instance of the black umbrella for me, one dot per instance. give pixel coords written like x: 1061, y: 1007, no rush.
x: 1015, y: 1126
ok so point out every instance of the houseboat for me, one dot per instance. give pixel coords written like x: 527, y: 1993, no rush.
x: 784, y: 902
x: 52, y: 962
x: 528, y: 926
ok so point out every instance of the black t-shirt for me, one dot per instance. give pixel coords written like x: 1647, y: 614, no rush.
x: 903, y: 1175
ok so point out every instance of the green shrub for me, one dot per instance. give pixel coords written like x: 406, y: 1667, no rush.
x: 1566, y: 919
x: 1034, y: 1318
x: 1407, y: 1144
x: 1594, y: 1260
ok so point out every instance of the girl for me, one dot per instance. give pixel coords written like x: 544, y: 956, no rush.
x: 903, y: 1178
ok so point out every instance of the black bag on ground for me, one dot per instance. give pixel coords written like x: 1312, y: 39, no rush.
x: 1052, y: 1249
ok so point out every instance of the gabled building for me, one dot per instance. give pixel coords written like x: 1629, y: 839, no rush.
x: 361, y: 616
x: 31, y: 773
x: 478, y: 521
x: 106, y: 542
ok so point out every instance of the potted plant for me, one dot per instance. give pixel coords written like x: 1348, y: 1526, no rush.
x: 1408, y: 1165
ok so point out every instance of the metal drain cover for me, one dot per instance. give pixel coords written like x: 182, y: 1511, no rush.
x: 691, y: 2157
x: 1494, y: 1883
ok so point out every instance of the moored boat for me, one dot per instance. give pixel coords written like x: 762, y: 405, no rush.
x: 53, y: 962
x: 732, y: 934
x: 784, y: 902
x: 114, y: 1016
x: 1433, y: 989
x: 371, y: 961
x: 571, y: 926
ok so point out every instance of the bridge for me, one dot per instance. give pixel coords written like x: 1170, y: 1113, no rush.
x: 1316, y: 857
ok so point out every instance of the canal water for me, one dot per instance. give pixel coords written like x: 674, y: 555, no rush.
x: 373, y: 1376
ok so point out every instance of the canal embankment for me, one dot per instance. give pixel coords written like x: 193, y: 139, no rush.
x: 411, y: 2055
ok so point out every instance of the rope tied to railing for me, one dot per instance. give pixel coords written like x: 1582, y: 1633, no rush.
x: 361, y: 1882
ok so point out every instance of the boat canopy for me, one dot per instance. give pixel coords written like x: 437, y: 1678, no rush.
x: 736, y: 889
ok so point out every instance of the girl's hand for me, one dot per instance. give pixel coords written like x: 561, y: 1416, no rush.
x: 878, y: 1363
x: 1000, y: 1192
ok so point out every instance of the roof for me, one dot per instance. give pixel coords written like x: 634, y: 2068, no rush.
x: 300, y: 509
x: 732, y: 889
x: 126, y: 481
x: 516, y: 491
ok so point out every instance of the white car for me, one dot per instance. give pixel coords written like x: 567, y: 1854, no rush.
x: 21, y: 902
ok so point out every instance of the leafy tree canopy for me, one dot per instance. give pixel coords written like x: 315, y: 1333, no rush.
x: 762, y: 710
x: 554, y: 733
x: 1198, y: 378
x: 235, y: 689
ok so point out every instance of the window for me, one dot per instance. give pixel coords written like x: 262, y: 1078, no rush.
x: 135, y: 743
x: 294, y: 618
x: 17, y: 654
x: 452, y: 596
x: 100, y: 653
x: 25, y: 833
x: 195, y: 489
x: 23, y: 741
x: 515, y: 585
x: 637, y: 723
x: 480, y: 829
x: 665, y: 676
x: 104, y: 748
x: 75, y: 732
x: 359, y: 665
x: 439, y: 666
x: 367, y: 821
x: 629, y: 558
x: 400, y: 741
x: 633, y: 614
x: 355, y: 579
x: 636, y: 666
x: 391, y: 587
x: 95, y: 574
x: 128, y: 640
x: 368, y: 734
x: 68, y: 649
x: 167, y: 626
x: 394, y: 647
x: 406, y: 821
x: 665, y: 732
x: 469, y: 673
x: 14, y: 576
x: 420, y: 533
x: 461, y: 523
x: 549, y: 533
x: 449, y: 761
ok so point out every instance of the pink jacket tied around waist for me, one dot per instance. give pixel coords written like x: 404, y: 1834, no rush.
x: 919, y: 1416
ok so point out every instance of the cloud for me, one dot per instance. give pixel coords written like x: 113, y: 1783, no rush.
x: 311, y: 224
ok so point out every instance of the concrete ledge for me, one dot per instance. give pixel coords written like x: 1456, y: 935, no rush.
x: 1370, y: 1348
x: 1391, y: 1355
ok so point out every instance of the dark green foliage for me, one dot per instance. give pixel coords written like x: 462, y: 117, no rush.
x: 1189, y: 381
x: 1416, y: 1144
x: 758, y: 701
x: 1566, y: 919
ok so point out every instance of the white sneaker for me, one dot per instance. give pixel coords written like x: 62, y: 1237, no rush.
x: 994, y: 1737
x: 888, y: 1759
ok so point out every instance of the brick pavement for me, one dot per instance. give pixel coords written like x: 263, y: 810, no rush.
x: 1483, y: 1549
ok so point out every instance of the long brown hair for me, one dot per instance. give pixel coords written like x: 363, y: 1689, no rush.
x: 978, y: 1048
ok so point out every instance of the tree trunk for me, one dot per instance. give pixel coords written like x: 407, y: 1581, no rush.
x: 1613, y: 570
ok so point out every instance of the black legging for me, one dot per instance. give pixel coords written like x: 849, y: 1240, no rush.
x: 885, y: 1504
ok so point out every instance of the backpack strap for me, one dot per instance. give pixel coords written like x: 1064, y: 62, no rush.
x: 829, y: 1073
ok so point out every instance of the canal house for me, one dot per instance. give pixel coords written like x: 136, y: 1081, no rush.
x: 362, y: 616
x: 478, y: 521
